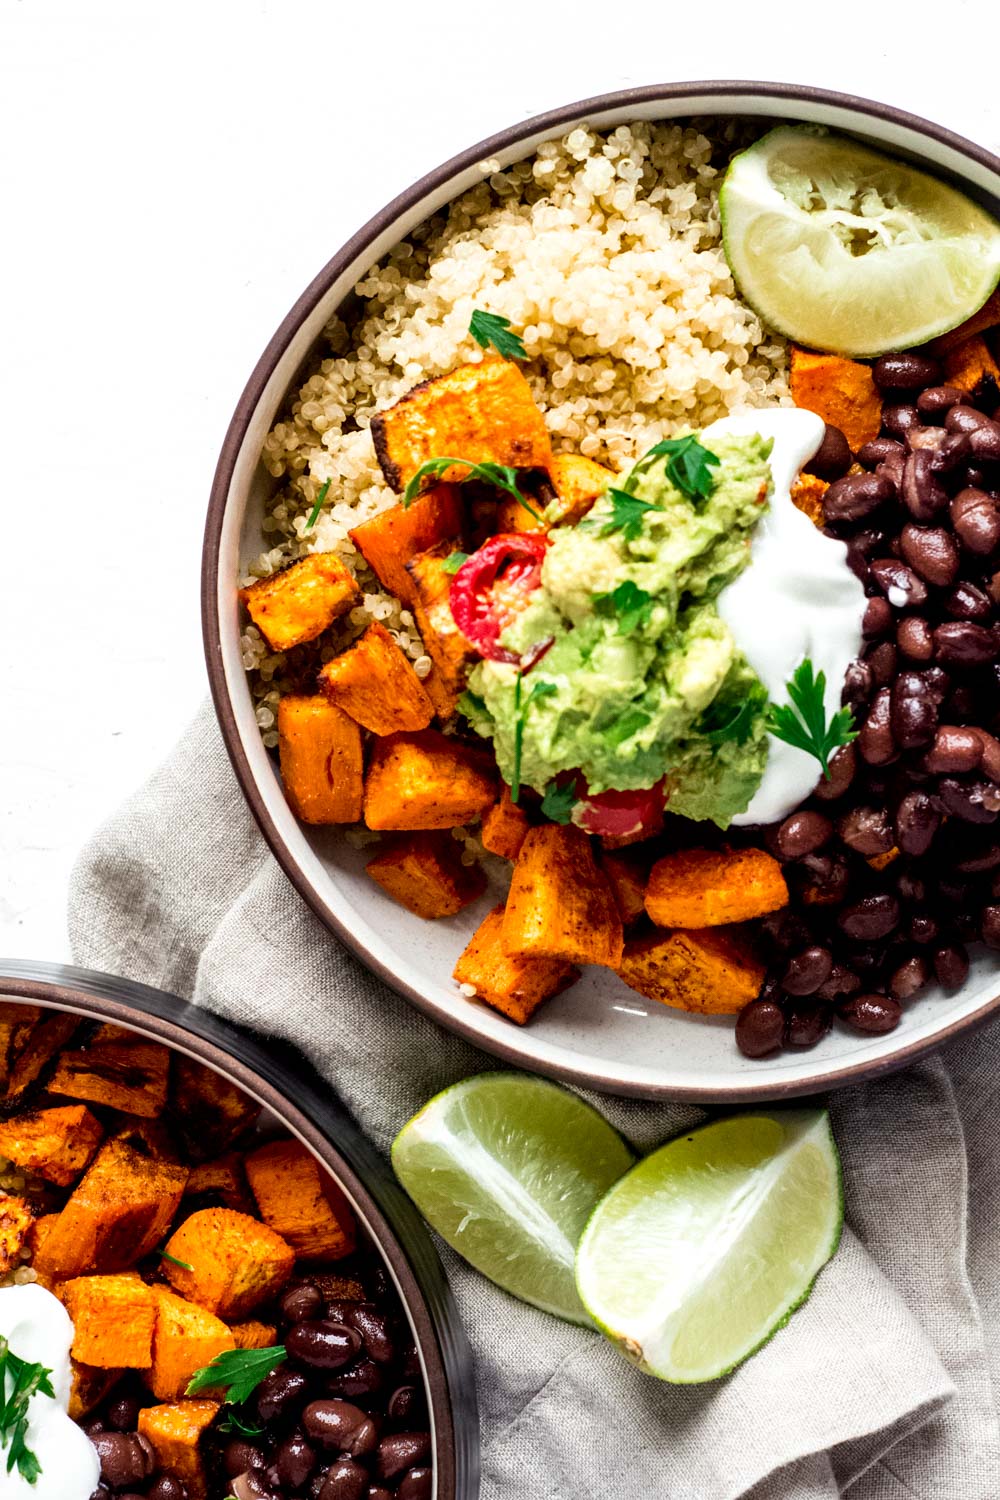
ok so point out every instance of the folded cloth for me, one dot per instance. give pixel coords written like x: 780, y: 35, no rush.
x: 880, y: 1387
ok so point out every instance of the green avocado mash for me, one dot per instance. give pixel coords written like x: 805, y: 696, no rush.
x: 643, y: 679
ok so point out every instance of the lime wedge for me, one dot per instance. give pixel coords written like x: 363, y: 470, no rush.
x: 508, y: 1169
x: 844, y: 249
x: 708, y: 1246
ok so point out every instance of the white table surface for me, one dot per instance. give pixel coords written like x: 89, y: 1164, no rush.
x: 172, y: 177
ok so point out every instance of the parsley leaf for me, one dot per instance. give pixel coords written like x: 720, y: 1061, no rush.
x: 454, y: 561
x: 689, y: 465
x: 26, y: 1381
x: 731, y: 720
x: 559, y: 801
x: 490, y: 328
x: 314, y: 513
x: 500, y: 475
x: 803, y: 722
x: 174, y: 1261
x: 236, y: 1372
x: 627, y: 512
x: 631, y: 604
x: 541, y: 689
x: 232, y: 1423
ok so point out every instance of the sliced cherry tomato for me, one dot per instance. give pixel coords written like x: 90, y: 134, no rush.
x: 492, y: 587
x: 631, y: 815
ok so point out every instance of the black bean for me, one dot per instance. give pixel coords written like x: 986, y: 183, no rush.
x: 122, y: 1413
x: 833, y: 456
x: 964, y: 643
x: 910, y: 886
x: 303, y: 1303
x: 877, y: 617
x: 882, y: 661
x: 859, y: 680
x: 952, y: 452
x: 975, y: 517
x: 841, y: 768
x: 931, y: 552
x: 401, y: 1450
x: 378, y: 1492
x: 899, y: 419
x: 239, y: 1455
x: 870, y: 918
x: 856, y: 495
x: 102, y: 1492
x: 830, y: 877
x: 963, y: 418
x: 374, y: 1330
x: 867, y: 830
x: 991, y: 754
x: 872, y: 1014
x: 899, y: 583
x: 363, y: 1379
x: 951, y: 966
x: 842, y: 981
x: 921, y: 491
x: 760, y: 1028
x: 917, y: 821
x: 806, y: 970
x: 930, y: 438
x: 985, y: 442
x: 979, y: 861
x: 785, y: 930
x: 875, y: 740
x: 969, y: 800
x: 802, y: 833
x: 344, y: 1480
x: 407, y: 1406
x: 340, y: 1425
x: 910, y: 977
x: 295, y: 1460
x: 914, y: 639
x: 323, y: 1345
x: 991, y: 926
x: 905, y: 372
x: 280, y: 1393
x: 924, y: 927
x: 878, y: 450
x: 955, y: 748
x: 936, y: 400
x: 913, y: 716
x: 966, y: 602
x: 416, y: 1484
x: 125, y: 1457
x: 166, y: 1487
x: 807, y: 1023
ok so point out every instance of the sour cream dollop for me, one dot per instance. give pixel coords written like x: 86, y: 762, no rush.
x: 797, y: 598
x: 38, y: 1329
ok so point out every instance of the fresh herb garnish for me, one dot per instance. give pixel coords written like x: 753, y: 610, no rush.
x: 490, y: 328
x: 729, y: 721
x: 803, y: 723
x: 559, y: 801
x: 26, y: 1381
x: 689, y: 465
x: 454, y: 561
x: 174, y: 1261
x: 236, y: 1372
x: 499, y: 475
x: 522, y: 703
x: 314, y: 513
x: 631, y: 605
x: 627, y: 513
x: 232, y: 1423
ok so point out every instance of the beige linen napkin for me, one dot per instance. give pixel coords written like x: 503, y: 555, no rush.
x: 881, y: 1387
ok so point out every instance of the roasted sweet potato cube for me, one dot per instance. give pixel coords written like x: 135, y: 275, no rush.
x: 839, y: 390
x: 185, y: 1339
x: 219, y: 1184
x: 210, y: 1113
x: 505, y: 826
x: 118, y: 1212
x: 511, y: 982
x: 969, y: 364
x: 236, y: 1262
x: 88, y: 1387
x: 988, y: 316
x: 175, y: 1432
x: 148, y: 1137
x: 119, y: 1070
x: 375, y: 683
x: 578, y: 482
x: 16, y: 1021
x: 807, y: 493
x: 483, y: 412
x: 15, y: 1224
x: 300, y: 1201
x: 426, y: 780
x: 712, y: 887
x: 627, y: 872
x: 444, y: 643
x: 424, y: 872
x: 56, y: 1144
x: 319, y: 747
x: 301, y: 601
x: 560, y: 904
x: 511, y: 515
x: 254, y: 1335
x: 712, y: 971
x: 390, y: 539
x: 43, y: 1042
x: 113, y: 1320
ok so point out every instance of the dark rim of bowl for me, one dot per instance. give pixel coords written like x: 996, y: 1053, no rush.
x: 295, y: 1093
x: 768, y: 1087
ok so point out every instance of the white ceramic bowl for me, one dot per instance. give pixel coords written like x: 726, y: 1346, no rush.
x: 599, y: 1032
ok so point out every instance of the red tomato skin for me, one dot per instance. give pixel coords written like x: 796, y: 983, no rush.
x: 493, y: 585
x: 620, y: 814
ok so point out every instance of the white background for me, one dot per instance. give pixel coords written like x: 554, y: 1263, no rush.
x: 172, y: 177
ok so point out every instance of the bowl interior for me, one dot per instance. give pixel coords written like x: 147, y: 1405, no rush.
x: 600, y: 1031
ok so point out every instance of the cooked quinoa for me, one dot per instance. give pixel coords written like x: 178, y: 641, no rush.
x: 604, y: 251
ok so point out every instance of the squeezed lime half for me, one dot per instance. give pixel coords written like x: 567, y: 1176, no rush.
x: 847, y: 250
x: 704, y: 1249
x: 508, y: 1169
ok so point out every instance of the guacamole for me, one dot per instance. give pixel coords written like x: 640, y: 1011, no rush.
x: 643, y: 680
